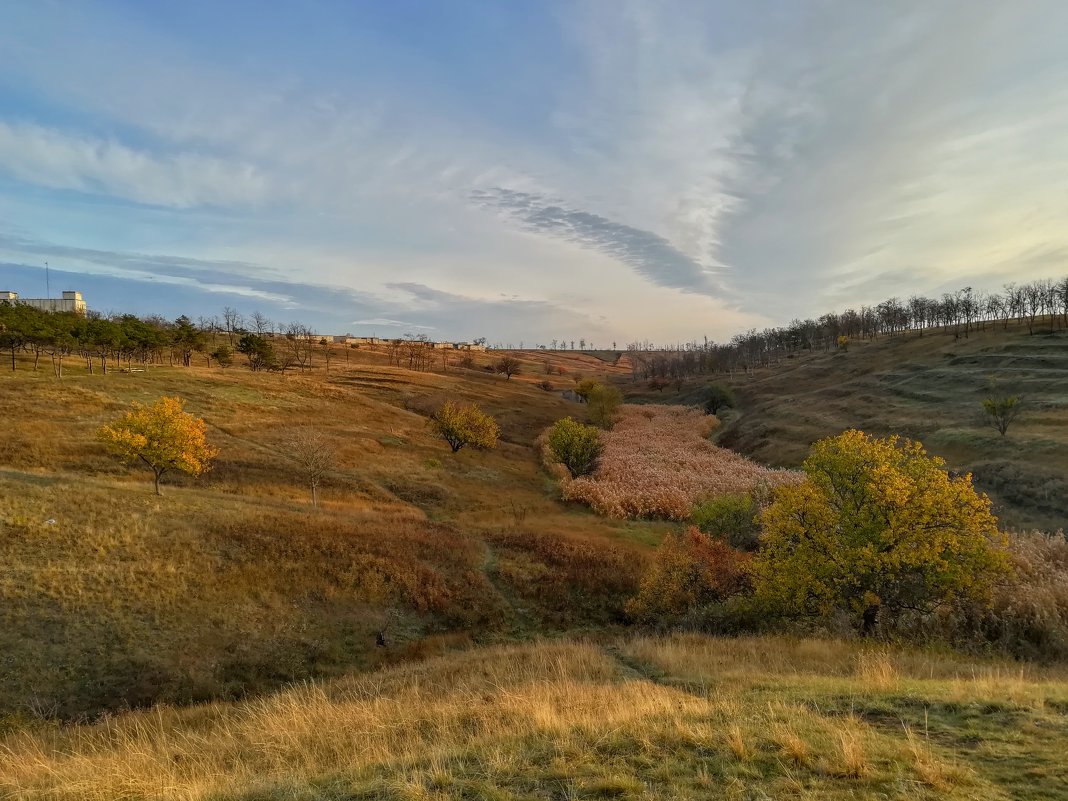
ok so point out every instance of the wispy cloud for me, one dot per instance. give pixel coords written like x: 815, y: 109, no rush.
x: 650, y: 255
x: 58, y: 160
x: 664, y: 169
x: 387, y: 323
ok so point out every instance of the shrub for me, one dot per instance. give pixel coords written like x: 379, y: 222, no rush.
x: 690, y: 571
x: 732, y: 518
x: 462, y: 424
x: 546, y: 386
x: 879, y: 528
x: 575, y: 445
x: 584, y: 386
x: 604, y: 402
x: 659, y: 384
x: 718, y: 397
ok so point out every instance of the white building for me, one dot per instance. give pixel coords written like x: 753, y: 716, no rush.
x: 69, y: 302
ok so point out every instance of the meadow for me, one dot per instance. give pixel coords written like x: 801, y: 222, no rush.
x: 686, y: 717
x: 928, y: 388
x: 232, y: 585
x: 442, y: 625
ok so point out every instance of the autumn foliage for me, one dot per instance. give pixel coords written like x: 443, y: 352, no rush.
x: 658, y: 462
x: 163, y: 436
x: 575, y: 445
x: 878, y: 529
x: 463, y: 424
x: 690, y: 572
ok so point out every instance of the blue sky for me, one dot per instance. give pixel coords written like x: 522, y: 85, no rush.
x: 608, y: 170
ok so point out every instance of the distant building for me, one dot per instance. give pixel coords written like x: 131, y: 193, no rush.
x: 69, y: 302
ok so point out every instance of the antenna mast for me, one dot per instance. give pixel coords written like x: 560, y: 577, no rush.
x: 48, y: 283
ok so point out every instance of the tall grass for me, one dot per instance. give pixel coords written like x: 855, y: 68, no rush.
x: 658, y: 462
x: 565, y: 719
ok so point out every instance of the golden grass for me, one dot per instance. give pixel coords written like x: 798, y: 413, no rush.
x: 232, y: 584
x: 549, y: 719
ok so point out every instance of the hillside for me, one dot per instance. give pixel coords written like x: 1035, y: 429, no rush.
x: 232, y: 585
x: 927, y: 388
x: 682, y: 718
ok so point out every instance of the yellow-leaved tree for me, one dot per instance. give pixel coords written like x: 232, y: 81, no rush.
x: 463, y: 424
x: 163, y: 436
x: 878, y: 529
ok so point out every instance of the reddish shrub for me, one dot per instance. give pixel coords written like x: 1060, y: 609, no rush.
x: 690, y: 571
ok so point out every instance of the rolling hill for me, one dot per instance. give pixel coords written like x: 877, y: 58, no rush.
x: 927, y: 388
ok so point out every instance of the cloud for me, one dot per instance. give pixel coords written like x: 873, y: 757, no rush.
x: 57, y: 160
x: 651, y: 256
x: 382, y: 321
x: 665, y: 167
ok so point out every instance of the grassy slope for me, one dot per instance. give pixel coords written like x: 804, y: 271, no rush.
x: 929, y: 389
x: 232, y: 585
x: 684, y: 718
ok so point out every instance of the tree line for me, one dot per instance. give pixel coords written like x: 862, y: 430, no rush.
x: 1040, y: 305
x: 125, y: 341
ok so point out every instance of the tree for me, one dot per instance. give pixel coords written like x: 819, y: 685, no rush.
x: 232, y: 323
x: 718, y: 397
x: 604, y: 402
x: 507, y: 365
x: 163, y: 436
x: 1001, y: 408
x: 313, y: 457
x: 462, y: 424
x: 259, y: 351
x: 575, y: 445
x: 223, y: 356
x: 327, y: 349
x: 877, y: 529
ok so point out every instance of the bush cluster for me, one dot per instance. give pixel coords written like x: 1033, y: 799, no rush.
x: 878, y: 536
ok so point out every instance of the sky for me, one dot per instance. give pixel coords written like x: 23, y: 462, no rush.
x: 607, y: 170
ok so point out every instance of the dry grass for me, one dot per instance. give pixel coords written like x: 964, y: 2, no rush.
x: 927, y: 388
x: 232, y: 585
x: 562, y: 720
x: 658, y: 462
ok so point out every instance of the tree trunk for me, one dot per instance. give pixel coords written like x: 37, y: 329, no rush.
x: 870, y: 621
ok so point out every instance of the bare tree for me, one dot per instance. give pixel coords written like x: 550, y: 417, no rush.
x: 313, y: 457
x: 299, y: 343
x: 232, y: 322
x: 260, y: 324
